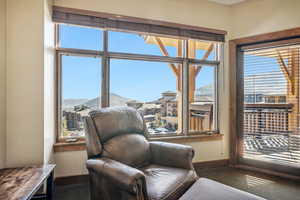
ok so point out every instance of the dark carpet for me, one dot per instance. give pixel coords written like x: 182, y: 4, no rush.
x: 269, y: 187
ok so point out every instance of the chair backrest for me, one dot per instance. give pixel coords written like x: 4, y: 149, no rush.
x: 118, y: 133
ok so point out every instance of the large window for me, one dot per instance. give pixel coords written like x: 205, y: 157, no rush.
x: 172, y: 81
x: 80, y: 91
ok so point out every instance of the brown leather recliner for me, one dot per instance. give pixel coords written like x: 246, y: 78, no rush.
x: 123, y: 165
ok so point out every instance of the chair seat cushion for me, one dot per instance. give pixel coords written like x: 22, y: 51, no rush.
x: 167, y: 183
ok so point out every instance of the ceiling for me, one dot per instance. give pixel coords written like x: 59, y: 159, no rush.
x: 227, y: 2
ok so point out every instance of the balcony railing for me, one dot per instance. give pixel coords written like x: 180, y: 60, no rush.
x: 271, y: 133
x: 268, y: 118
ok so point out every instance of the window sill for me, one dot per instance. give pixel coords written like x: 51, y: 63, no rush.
x: 81, y: 146
x: 189, y: 138
x: 69, y: 146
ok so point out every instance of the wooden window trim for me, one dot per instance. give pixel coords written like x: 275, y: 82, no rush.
x: 268, y: 37
x: 81, y: 145
x: 262, y: 40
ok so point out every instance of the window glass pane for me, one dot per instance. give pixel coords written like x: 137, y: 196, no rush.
x: 150, y: 87
x: 202, y: 98
x: 202, y: 50
x: 80, y: 92
x: 143, y: 44
x: 79, y: 37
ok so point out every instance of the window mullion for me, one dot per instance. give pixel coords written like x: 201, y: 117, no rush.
x: 219, y: 70
x: 57, y: 36
x: 185, y: 91
x: 59, y: 92
x: 105, y: 72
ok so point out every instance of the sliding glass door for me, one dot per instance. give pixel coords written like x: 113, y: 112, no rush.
x: 269, y: 100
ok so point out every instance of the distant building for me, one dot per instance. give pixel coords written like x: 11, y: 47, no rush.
x: 150, y: 108
x: 73, y: 120
x: 168, y: 104
x: 259, y: 88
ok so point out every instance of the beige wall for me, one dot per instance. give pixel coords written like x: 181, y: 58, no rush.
x: 49, y: 83
x: 70, y: 163
x: 29, y: 136
x: 195, y: 12
x: 25, y: 108
x: 263, y: 16
x: 2, y: 83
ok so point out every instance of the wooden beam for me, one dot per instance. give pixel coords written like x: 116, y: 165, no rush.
x: 179, y: 66
x: 205, y: 56
x: 283, y: 66
x: 165, y: 53
x: 179, y: 85
x: 192, y: 70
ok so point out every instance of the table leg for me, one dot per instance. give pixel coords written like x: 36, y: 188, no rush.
x: 50, y: 187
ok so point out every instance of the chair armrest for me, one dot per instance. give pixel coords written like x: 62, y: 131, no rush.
x: 124, y: 176
x: 174, y: 155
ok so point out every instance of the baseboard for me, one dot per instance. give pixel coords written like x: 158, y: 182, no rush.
x: 211, y: 164
x: 80, y: 179
x: 267, y: 172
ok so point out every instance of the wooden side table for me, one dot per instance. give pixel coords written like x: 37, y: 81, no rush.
x: 23, y: 183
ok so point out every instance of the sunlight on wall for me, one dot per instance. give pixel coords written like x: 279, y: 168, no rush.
x: 2, y: 83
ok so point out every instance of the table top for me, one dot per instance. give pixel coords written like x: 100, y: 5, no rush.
x: 22, y: 183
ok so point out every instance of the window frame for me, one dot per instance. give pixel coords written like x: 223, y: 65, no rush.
x: 106, y: 55
x: 265, y: 40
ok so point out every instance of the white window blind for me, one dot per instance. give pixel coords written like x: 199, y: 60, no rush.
x: 271, y: 104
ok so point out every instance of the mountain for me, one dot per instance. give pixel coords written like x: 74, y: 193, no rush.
x: 70, y: 103
x: 92, y: 103
x: 204, y: 93
x: 115, y: 100
x: 206, y: 90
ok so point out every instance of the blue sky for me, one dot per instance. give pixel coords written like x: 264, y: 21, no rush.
x: 260, y: 64
x: 139, y: 80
